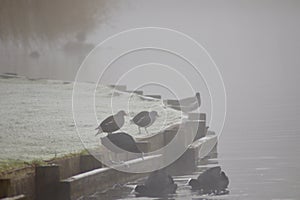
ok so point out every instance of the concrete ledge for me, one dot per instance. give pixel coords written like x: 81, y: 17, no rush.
x: 19, y: 181
x: 69, y: 166
x: 171, y: 102
x: 139, y: 92
x: 143, y: 145
x: 197, y: 116
x: 154, y: 96
x: 89, y: 182
x: 122, y: 88
x: 150, y: 97
x: 155, y: 141
x: 197, y: 150
x: 5, y: 185
x: 89, y: 162
x: 99, y: 179
x: 19, y: 197
x: 46, y: 179
x: 206, y: 145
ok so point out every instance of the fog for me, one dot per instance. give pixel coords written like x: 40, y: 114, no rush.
x: 255, y: 44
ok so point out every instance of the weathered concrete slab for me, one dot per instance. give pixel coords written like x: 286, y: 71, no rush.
x: 19, y: 181
x: 171, y: 102
x: 197, y: 116
x: 197, y: 150
x: 75, y: 184
x: 98, y: 179
x: 139, y: 92
x: 143, y: 146
x: 122, y: 88
x: 88, y: 163
x: 46, y: 182
x: 69, y: 165
x: 154, y: 96
x: 5, y: 187
x: 18, y: 197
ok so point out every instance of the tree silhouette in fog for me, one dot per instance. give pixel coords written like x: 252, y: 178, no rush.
x: 25, y: 21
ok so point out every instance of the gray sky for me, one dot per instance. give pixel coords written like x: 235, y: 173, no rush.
x: 255, y: 44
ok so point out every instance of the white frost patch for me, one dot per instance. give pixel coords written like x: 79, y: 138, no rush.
x: 37, y: 120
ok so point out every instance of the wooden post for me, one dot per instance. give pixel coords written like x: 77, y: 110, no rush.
x: 5, y: 185
x: 46, y: 182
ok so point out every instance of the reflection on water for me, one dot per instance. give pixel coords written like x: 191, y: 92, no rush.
x: 181, y: 179
x: 259, y: 166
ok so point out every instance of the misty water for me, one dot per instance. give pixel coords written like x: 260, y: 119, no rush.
x: 259, y: 165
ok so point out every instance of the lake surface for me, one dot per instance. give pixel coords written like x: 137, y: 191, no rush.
x: 260, y: 163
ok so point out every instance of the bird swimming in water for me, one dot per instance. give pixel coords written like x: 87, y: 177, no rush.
x: 158, y: 184
x: 145, y: 119
x: 185, y: 105
x: 120, y: 142
x: 212, y: 181
x: 112, y: 123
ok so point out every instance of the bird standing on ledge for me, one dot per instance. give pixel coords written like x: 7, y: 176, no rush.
x: 145, y: 119
x: 112, y: 123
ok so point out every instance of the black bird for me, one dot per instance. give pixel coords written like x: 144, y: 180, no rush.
x: 212, y: 181
x: 120, y: 142
x: 185, y: 105
x: 158, y: 184
x: 145, y: 119
x: 112, y: 123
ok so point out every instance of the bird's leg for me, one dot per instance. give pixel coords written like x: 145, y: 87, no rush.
x: 127, y: 156
x: 119, y: 162
x: 118, y: 158
x: 143, y: 156
x: 110, y: 158
x: 115, y: 161
x: 146, y: 130
x: 139, y: 129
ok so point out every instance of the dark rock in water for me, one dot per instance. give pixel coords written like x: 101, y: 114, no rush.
x: 158, y: 184
x: 212, y: 181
